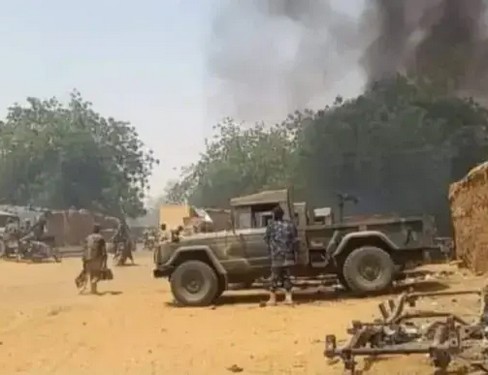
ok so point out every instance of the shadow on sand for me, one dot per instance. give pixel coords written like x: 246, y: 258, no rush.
x: 127, y: 265
x: 100, y: 294
x: 304, y: 296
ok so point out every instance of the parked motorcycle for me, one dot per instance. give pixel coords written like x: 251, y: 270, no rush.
x: 8, y: 248
x: 37, y: 251
x: 150, y: 243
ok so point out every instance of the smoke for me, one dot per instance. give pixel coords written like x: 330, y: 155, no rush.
x: 267, y: 58
x: 270, y: 57
x: 441, y: 40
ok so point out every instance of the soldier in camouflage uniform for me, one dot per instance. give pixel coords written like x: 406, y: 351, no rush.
x: 26, y: 226
x: 122, y: 236
x: 281, y: 238
x: 36, y: 232
x: 94, y: 260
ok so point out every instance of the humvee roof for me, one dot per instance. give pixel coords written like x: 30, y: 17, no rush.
x: 264, y: 197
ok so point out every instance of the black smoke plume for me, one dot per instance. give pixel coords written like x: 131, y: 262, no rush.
x: 270, y: 57
x: 443, y: 41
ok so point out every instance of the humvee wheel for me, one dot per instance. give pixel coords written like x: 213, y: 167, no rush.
x: 368, y: 269
x: 194, y: 283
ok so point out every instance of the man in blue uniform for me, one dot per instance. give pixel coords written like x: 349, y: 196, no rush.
x: 281, y: 238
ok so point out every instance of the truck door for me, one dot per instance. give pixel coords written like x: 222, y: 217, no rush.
x: 249, y: 237
x: 256, y: 249
x: 299, y: 217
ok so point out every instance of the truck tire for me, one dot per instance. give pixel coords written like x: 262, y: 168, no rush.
x: 368, y: 269
x: 194, y: 283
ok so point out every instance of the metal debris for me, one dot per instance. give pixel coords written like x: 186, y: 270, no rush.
x: 398, y: 332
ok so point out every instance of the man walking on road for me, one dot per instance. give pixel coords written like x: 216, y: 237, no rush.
x: 94, y: 260
x: 281, y: 238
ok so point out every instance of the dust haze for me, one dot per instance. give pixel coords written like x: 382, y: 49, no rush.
x: 267, y: 58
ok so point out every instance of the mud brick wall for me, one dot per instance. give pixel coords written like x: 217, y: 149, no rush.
x: 71, y: 227
x: 469, y: 211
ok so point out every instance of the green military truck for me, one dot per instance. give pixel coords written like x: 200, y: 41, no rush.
x: 366, y: 254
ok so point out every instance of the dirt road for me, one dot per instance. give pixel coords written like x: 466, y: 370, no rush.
x: 47, y: 328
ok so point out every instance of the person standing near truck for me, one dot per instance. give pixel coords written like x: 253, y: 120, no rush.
x: 281, y: 238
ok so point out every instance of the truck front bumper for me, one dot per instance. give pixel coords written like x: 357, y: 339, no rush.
x: 162, y: 270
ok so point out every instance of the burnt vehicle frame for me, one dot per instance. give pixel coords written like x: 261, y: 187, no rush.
x: 398, y: 332
x: 365, y: 254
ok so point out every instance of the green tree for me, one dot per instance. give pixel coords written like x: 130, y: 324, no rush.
x: 238, y: 160
x: 61, y: 156
x: 398, y: 146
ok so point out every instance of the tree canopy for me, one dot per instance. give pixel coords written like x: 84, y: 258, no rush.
x: 59, y: 156
x: 397, y: 147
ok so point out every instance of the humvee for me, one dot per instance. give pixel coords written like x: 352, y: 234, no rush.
x: 364, y: 254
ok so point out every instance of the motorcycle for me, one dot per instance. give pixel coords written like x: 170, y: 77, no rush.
x: 8, y: 248
x: 150, y: 243
x: 37, y: 251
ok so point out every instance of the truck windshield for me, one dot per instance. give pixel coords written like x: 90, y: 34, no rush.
x: 253, y: 216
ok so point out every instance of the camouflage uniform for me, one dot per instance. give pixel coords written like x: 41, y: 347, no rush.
x: 36, y: 232
x: 26, y: 226
x: 123, y: 236
x: 281, y: 236
x: 94, y: 261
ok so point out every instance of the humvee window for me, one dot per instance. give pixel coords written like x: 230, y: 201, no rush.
x: 254, y: 216
x: 243, y: 218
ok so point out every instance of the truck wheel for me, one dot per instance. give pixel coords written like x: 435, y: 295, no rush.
x: 194, y: 283
x: 368, y: 269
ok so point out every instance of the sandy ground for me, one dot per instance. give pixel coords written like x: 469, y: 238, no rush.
x: 133, y: 328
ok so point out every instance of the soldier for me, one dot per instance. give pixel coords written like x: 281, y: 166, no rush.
x: 123, y: 236
x: 281, y: 238
x: 94, y: 260
x: 26, y: 226
x: 36, y: 232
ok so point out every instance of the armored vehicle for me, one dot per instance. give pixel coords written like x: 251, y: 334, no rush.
x: 365, y: 254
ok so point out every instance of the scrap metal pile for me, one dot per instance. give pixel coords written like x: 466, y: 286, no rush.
x: 443, y: 336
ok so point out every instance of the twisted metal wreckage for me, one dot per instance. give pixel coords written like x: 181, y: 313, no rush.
x: 449, y: 338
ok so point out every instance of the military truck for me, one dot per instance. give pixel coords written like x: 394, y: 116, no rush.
x: 366, y: 255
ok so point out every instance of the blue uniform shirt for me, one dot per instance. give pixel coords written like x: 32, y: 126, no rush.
x: 281, y: 237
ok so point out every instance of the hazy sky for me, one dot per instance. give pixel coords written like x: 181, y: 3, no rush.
x: 139, y: 61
